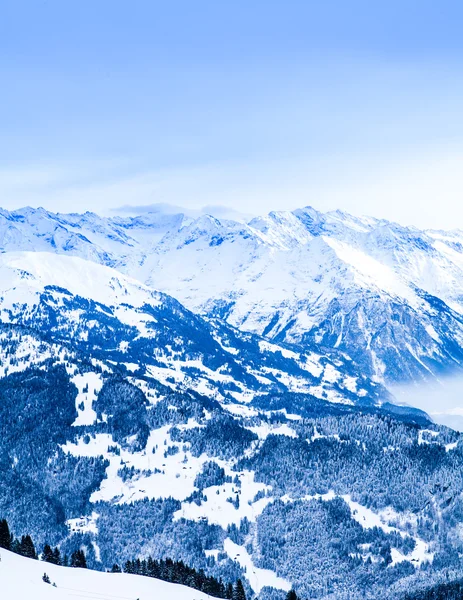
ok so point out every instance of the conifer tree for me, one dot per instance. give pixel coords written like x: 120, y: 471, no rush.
x: 128, y: 567
x: 291, y: 595
x: 26, y: 547
x: 47, y: 554
x: 238, y: 592
x: 56, y: 556
x: 5, y: 536
x: 78, y: 560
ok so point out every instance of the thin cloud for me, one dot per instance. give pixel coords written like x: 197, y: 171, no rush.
x: 218, y: 211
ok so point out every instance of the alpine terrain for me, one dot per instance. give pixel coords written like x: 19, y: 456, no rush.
x: 210, y: 402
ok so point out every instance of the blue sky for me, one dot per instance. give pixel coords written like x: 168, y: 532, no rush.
x: 255, y: 105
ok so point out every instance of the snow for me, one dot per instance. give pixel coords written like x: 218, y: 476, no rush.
x: 318, y: 436
x: 29, y: 352
x: 21, y: 579
x: 265, y: 429
x: 368, y: 519
x: 282, y: 270
x: 92, y: 383
x: 84, y: 524
x: 218, y: 509
x: 452, y: 446
x: 268, y: 347
x: 23, y: 274
x: 241, y: 410
x: 160, y: 476
x: 163, y: 475
x: 370, y: 272
x: 289, y: 416
x: 423, y: 433
x: 258, y: 578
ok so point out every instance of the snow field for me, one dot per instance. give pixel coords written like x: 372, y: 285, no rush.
x: 21, y: 579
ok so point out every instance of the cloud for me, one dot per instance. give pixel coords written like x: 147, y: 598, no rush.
x: 442, y: 400
x: 218, y: 211
x: 160, y: 207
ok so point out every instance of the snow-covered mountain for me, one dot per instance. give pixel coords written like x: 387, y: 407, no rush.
x: 388, y: 296
x: 108, y: 317
x: 132, y: 427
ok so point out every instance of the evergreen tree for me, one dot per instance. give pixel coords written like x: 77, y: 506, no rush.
x: 128, y: 567
x: 115, y: 568
x: 291, y: 595
x: 56, y: 556
x: 78, y: 560
x: 229, y: 591
x: 47, y: 554
x: 238, y: 592
x: 5, y: 536
x: 26, y: 547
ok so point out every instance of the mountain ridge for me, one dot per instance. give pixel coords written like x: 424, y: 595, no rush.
x: 388, y: 296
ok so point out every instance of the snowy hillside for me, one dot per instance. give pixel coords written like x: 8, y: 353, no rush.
x: 96, y: 310
x: 389, y: 296
x: 21, y: 579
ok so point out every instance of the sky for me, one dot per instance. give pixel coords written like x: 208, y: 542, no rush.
x: 252, y: 105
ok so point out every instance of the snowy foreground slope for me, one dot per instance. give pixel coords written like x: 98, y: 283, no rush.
x: 387, y: 295
x: 21, y: 579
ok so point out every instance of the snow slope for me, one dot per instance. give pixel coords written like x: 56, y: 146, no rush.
x: 21, y: 579
x: 31, y: 272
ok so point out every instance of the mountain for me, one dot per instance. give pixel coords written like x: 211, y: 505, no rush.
x: 108, y: 317
x: 131, y: 426
x: 387, y: 296
x: 21, y: 578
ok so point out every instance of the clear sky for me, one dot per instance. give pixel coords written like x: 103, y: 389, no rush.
x: 256, y: 105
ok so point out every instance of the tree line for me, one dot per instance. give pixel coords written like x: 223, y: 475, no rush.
x: 25, y: 547
x: 178, y: 572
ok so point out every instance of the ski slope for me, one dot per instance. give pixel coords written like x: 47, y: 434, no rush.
x: 21, y: 579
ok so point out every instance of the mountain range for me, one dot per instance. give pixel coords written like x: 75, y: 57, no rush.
x: 386, y: 295
x: 219, y: 392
